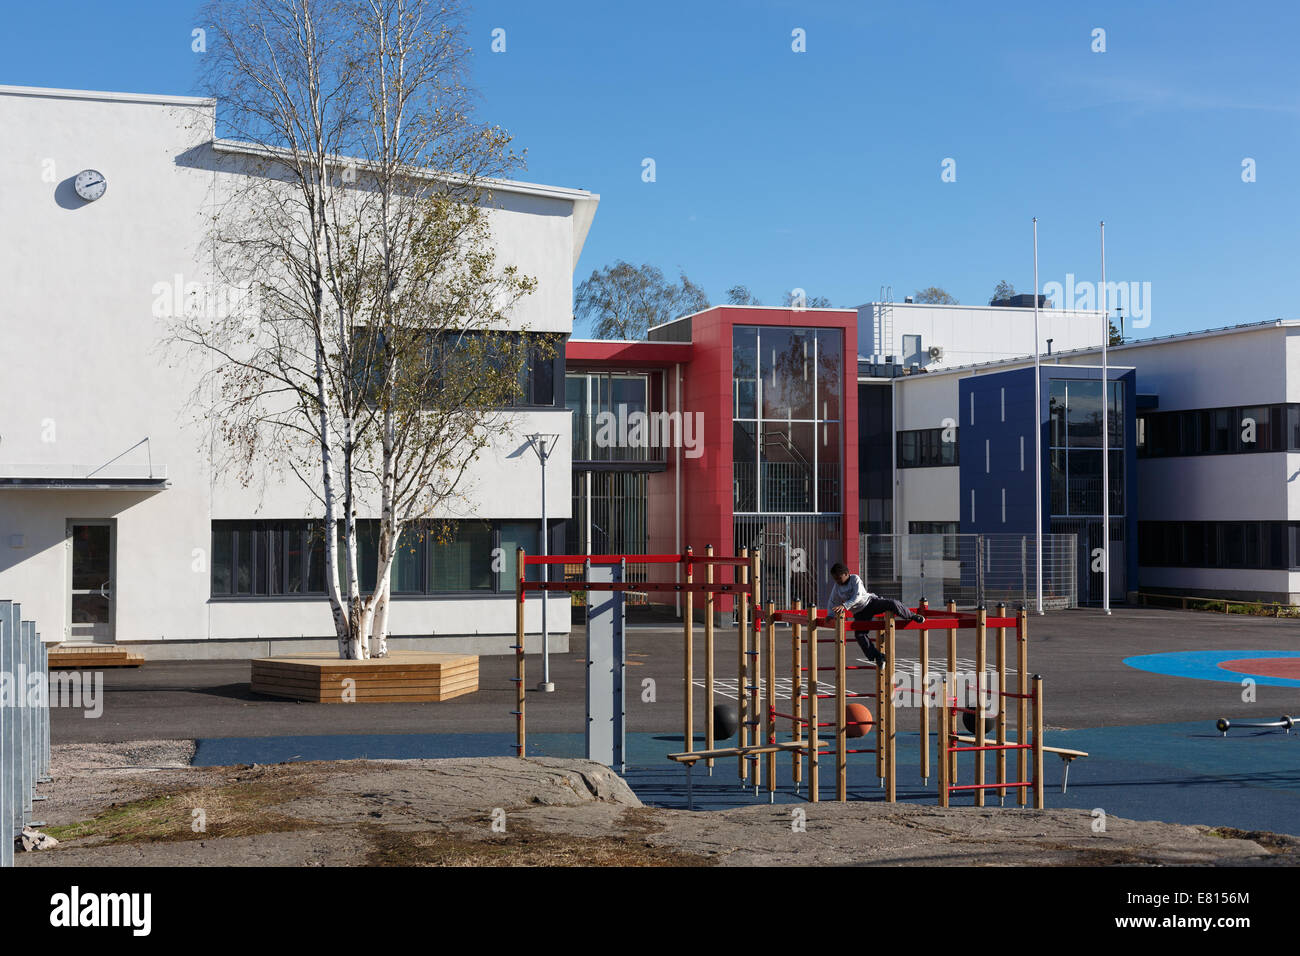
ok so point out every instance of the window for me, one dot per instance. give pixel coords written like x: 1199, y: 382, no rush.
x: 286, y: 559
x: 927, y: 448
x: 460, y: 557
x: 537, y: 374
x: 1075, y: 456
x: 267, y: 558
x: 615, y: 418
x: 1266, y: 545
x: 429, y: 355
x: 787, y: 399
x: 1220, y: 431
x: 516, y: 535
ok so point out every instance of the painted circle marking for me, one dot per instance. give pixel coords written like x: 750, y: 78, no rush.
x: 1273, y: 668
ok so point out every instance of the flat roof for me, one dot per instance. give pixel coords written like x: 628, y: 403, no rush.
x: 84, y: 484
x: 1047, y: 359
x: 1094, y: 313
x: 630, y: 354
x: 773, y: 308
x: 156, y: 98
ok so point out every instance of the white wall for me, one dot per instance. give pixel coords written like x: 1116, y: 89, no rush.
x: 969, y: 334
x: 1246, y: 367
x: 89, y: 376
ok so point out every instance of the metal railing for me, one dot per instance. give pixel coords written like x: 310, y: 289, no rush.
x: 1197, y: 602
x: 972, y: 569
x: 24, y: 724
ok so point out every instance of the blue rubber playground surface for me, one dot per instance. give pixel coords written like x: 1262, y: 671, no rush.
x: 1178, y: 772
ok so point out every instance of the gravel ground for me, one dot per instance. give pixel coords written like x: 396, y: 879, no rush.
x: 135, y: 804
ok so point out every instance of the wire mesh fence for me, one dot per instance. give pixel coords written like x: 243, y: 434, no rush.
x: 24, y: 723
x: 797, y: 551
x: 970, y: 569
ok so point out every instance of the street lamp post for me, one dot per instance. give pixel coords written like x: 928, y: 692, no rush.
x: 544, y: 446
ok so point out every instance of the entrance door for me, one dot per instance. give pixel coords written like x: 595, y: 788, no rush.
x: 91, y: 570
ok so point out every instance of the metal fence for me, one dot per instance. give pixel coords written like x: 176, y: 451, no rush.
x: 797, y: 552
x: 24, y: 723
x: 971, y: 569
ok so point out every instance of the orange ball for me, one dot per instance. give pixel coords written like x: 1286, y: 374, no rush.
x: 858, y: 720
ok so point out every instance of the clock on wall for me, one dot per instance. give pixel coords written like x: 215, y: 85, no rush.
x: 90, y: 184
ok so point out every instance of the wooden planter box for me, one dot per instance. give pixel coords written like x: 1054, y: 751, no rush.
x: 402, y: 676
x: 93, y: 656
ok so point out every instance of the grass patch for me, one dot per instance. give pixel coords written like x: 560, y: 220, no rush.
x: 1265, y: 838
x: 523, y: 845
x: 232, y: 810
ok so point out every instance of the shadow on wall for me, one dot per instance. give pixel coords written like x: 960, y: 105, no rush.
x: 40, y: 519
x: 65, y: 194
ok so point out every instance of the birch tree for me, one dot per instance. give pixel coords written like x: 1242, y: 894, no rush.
x: 375, y: 367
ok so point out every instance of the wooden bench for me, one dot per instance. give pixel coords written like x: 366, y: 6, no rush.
x: 691, y: 756
x: 1067, y: 756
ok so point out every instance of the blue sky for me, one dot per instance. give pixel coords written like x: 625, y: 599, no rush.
x: 821, y: 169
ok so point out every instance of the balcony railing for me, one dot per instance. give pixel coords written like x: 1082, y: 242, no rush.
x: 595, y: 443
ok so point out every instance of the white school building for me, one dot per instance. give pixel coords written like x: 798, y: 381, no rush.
x: 115, y: 524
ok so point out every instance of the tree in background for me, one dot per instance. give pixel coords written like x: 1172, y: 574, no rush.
x: 740, y: 295
x: 933, y: 295
x: 1115, y: 337
x: 622, y: 301
x: 809, y: 302
x: 1003, y: 290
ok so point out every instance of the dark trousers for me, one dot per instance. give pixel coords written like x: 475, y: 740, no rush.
x: 878, y: 605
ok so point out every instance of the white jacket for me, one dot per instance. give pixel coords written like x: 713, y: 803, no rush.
x: 853, y: 594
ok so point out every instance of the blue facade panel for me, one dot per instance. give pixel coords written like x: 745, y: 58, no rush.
x: 996, y: 427
x: 996, y: 449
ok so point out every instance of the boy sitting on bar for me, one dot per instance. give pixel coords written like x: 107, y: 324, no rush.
x: 850, y: 595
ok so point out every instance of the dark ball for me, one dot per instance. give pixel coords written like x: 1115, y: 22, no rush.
x: 725, y: 721
x: 990, y: 724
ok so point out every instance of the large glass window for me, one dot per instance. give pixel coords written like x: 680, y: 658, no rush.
x: 613, y: 419
x: 788, y: 398
x: 1075, y: 423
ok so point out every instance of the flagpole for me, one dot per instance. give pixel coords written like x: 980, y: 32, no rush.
x: 1038, y: 442
x: 1105, y: 431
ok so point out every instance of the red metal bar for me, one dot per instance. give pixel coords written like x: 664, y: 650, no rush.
x: 630, y: 559
x: 992, y: 747
x: 604, y: 558
x: 987, y: 786
x: 656, y: 587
